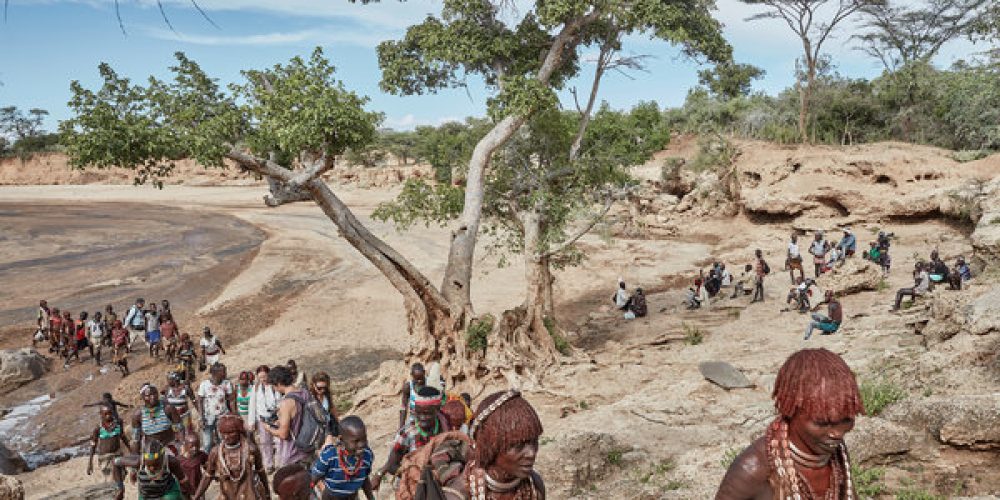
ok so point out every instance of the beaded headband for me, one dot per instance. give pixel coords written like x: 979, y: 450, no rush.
x: 511, y: 394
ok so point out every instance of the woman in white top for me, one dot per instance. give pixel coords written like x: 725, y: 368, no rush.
x: 264, y: 401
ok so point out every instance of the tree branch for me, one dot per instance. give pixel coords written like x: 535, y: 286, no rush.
x: 585, y: 229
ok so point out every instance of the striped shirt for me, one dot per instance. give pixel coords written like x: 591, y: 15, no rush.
x: 155, y: 421
x: 328, y: 468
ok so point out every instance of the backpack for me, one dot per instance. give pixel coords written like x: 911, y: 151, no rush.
x: 138, y: 319
x: 313, y: 424
x: 767, y: 268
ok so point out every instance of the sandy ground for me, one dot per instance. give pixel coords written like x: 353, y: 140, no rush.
x: 335, y: 312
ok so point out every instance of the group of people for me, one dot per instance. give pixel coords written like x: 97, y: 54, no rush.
x: 930, y: 273
x: 275, y: 430
x: 634, y: 305
x: 825, y: 254
x: 153, y: 324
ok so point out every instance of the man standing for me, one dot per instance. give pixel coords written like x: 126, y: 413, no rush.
x: 289, y: 418
x: 135, y: 321
x: 211, y: 347
x: 831, y: 322
x: 154, y: 420
x: 794, y: 259
x: 42, y: 318
x: 818, y: 250
x: 215, y: 398
x: 802, y: 453
x: 761, y: 269
x: 418, y: 378
x: 153, y: 331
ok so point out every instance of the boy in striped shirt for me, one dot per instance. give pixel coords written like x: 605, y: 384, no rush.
x: 343, y: 468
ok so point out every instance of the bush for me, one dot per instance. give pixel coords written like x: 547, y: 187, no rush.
x: 693, y: 334
x: 868, y: 482
x: 878, y: 394
x: 714, y: 153
x: 477, y: 331
x: 917, y: 494
x: 729, y: 457
x: 562, y: 345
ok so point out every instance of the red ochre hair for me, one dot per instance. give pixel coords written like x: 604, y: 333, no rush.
x: 819, y: 384
x: 512, y: 424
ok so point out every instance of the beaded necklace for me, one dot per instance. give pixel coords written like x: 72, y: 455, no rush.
x: 483, y: 487
x: 790, y: 483
x: 349, y: 472
x: 224, y: 462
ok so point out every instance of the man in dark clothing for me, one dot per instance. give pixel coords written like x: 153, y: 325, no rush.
x: 760, y: 269
x: 829, y: 323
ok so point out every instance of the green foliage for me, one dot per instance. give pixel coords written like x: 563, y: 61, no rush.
x: 21, y: 133
x: 730, y: 80
x: 675, y: 484
x: 562, y: 345
x: 915, y: 493
x: 970, y: 155
x: 715, y: 152
x: 477, y: 331
x: 868, y: 481
x: 292, y: 109
x: 615, y: 456
x: 584, y: 405
x: 877, y: 394
x: 422, y: 201
x: 448, y: 147
x: 692, y: 334
x: 729, y: 457
x: 658, y: 469
x: 883, y: 285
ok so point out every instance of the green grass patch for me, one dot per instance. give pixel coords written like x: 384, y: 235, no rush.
x: 883, y: 285
x: 966, y: 155
x: 584, y: 405
x: 477, y: 331
x: 877, y: 394
x: 868, y: 482
x: 995, y: 220
x: 615, y: 456
x: 344, y: 404
x: 562, y: 345
x: 544, y: 440
x: 692, y: 334
x: 917, y: 494
x: 659, y: 469
x: 906, y: 305
x: 674, y: 485
x: 729, y: 457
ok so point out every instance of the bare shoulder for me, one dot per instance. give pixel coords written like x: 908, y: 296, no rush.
x: 747, y: 477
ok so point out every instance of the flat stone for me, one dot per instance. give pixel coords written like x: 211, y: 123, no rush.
x: 724, y: 375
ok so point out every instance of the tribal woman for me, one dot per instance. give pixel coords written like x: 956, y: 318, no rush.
x: 802, y: 455
x: 179, y: 394
x: 155, y: 420
x: 236, y: 464
x: 108, y: 443
x: 505, y: 432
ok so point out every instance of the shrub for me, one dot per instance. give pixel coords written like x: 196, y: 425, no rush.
x: 693, y: 334
x: 917, y: 494
x: 615, y: 456
x: 868, y: 482
x: 562, y: 345
x: 970, y: 155
x: 477, y: 331
x: 878, y: 394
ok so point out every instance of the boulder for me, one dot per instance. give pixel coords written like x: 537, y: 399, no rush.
x: 20, y: 366
x: 875, y: 438
x: 984, y: 313
x: 11, y: 462
x: 970, y: 311
x: 11, y: 488
x: 724, y: 375
x: 89, y: 492
x: 967, y: 421
x: 855, y: 275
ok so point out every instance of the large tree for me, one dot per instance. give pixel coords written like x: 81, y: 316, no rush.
x: 814, y: 22
x: 902, y: 35
x: 288, y: 122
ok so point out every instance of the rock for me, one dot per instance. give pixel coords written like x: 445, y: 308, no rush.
x: 968, y: 311
x: 854, y: 276
x: 20, y: 366
x: 91, y: 492
x: 11, y: 462
x: 984, y: 313
x: 724, y: 375
x: 876, y: 438
x: 11, y: 488
x: 968, y: 421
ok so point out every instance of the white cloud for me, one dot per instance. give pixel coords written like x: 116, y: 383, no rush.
x: 410, y: 122
x: 312, y: 36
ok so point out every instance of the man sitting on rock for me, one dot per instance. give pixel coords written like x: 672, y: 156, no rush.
x: 938, y: 269
x: 742, y: 283
x: 922, y: 284
x: 620, y: 298
x: 636, y: 305
x: 848, y: 244
x: 831, y: 322
x: 959, y: 274
x: 800, y: 294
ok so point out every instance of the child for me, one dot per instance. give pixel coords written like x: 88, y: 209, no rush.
x: 192, y: 460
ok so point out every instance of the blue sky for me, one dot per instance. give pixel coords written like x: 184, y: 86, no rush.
x: 47, y: 43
